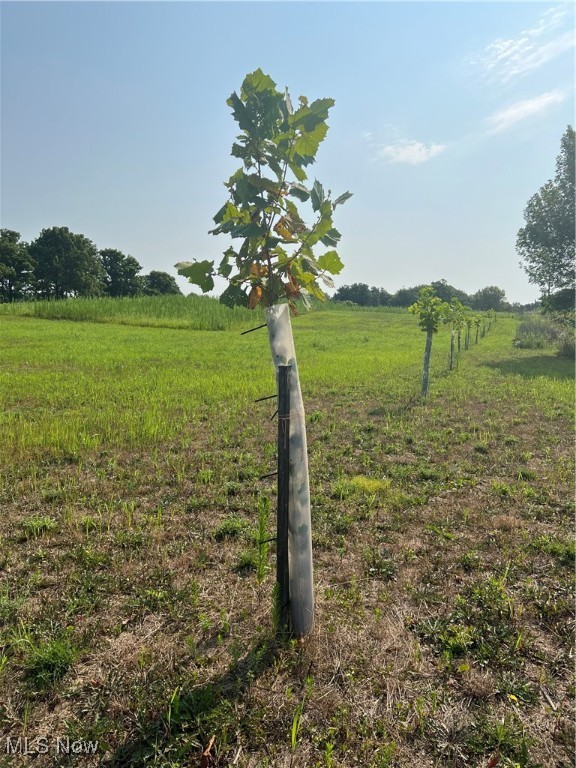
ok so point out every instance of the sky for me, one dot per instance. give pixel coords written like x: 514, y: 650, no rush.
x: 448, y: 117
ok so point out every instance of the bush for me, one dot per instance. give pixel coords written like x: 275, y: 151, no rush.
x: 536, y: 332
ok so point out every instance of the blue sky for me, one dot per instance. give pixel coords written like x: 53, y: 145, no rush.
x: 448, y: 117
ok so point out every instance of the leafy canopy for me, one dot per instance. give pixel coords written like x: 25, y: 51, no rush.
x: 275, y: 258
x: 429, y: 308
x: 546, y: 242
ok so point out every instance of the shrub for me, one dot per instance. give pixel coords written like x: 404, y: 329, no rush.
x: 536, y: 332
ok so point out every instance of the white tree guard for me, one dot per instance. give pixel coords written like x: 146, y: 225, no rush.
x: 299, y: 520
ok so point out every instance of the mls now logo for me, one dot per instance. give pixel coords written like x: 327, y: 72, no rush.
x: 22, y: 745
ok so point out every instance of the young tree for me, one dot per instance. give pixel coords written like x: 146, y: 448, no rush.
x: 430, y: 310
x: 66, y: 264
x: 120, y: 273
x: 275, y: 263
x: 546, y: 242
x: 16, y: 267
x: 477, y: 320
x: 454, y: 315
x: 468, y: 321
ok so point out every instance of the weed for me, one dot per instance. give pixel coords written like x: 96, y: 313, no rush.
x: 232, y: 527
x: 38, y: 525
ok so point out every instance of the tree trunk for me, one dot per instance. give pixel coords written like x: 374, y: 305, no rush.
x: 299, y: 518
x: 426, y: 369
x: 452, y: 350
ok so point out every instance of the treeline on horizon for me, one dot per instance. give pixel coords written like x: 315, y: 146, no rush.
x: 60, y: 264
x: 490, y: 297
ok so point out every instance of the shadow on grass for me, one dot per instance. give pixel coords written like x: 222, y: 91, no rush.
x: 538, y: 365
x: 193, y: 716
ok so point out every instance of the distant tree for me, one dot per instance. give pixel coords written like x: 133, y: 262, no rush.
x: 546, y: 242
x: 359, y: 293
x: 405, y: 297
x: 120, y: 273
x: 378, y: 297
x: 158, y: 283
x: 67, y: 264
x: 447, y: 292
x: 490, y: 297
x: 16, y: 267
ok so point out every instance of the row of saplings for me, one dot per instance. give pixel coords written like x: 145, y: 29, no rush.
x: 432, y: 311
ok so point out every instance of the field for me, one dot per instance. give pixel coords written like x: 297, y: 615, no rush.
x: 136, y: 604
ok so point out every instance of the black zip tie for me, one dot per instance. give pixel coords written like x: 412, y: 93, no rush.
x: 270, y: 474
x: 267, y: 541
x: 274, y: 414
x: 268, y: 397
x: 253, y: 329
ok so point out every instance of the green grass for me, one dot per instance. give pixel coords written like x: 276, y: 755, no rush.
x: 136, y: 606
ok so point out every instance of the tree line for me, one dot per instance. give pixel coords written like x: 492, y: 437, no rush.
x: 487, y: 298
x: 60, y: 264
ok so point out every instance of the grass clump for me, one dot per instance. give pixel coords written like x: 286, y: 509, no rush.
x: 47, y: 661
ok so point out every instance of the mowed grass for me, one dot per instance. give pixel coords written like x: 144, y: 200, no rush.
x: 136, y: 597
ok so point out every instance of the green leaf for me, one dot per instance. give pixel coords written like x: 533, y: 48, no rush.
x: 228, y: 211
x: 299, y: 191
x: 234, y: 296
x: 330, y: 262
x: 331, y: 237
x: 307, y: 144
x: 258, y: 82
x: 342, y: 198
x: 297, y: 170
x: 317, y: 195
x: 198, y: 273
x: 240, y: 113
x: 261, y: 182
x: 248, y: 230
x: 224, y: 269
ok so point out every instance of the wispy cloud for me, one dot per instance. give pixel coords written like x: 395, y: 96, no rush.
x: 505, y: 60
x: 520, y: 110
x: 409, y: 151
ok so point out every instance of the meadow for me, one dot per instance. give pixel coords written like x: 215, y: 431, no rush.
x: 136, y: 604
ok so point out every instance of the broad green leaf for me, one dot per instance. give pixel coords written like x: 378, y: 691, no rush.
x: 240, y: 113
x: 317, y: 195
x: 224, y: 268
x: 319, y: 230
x: 258, y: 82
x: 228, y: 211
x: 307, y: 144
x: 198, y: 273
x: 248, y: 230
x: 331, y: 237
x: 297, y: 170
x: 299, y: 191
x: 330, y: 262
x: 342, y: 198
x: 261, y: 182
x: 234, y: 296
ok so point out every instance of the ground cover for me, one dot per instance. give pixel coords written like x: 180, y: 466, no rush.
x: 136, y: 607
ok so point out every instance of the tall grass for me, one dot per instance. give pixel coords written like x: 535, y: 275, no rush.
x: 198, y: 313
